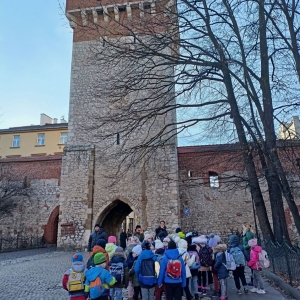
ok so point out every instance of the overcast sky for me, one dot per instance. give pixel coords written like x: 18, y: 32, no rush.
x: 35, y: 61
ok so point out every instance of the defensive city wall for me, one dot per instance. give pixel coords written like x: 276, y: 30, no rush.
x: 213, y: 193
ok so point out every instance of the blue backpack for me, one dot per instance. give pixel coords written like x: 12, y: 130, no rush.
x: 238, y: 256
x: 130, y: 260
x: 147, y: 274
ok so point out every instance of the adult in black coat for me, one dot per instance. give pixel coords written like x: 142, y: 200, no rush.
x: 96, y: 235
x: 123, y: 238
x: 161, y: 232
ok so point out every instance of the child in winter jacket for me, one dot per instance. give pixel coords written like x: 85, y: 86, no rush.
x: 258, y: 285
x: 91, y: 278
x: 223, y: 273
x: 188, y: 261
x: 205, y: 255
x: 111, y: 245
x: 73, y: 279
x: 159, y: 253
x: 239, y: 256
x: 136, y: 251
x: 193, y: 284
x: 119, y: 270
x: 145, y: 269
x: 99, y: 247
x: 215, y: 240
x: 172, y: 272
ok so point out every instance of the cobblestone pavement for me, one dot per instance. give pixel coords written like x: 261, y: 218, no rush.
x: 36, y: 275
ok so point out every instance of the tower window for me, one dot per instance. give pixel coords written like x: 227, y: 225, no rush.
x: 122, y: 8
x: 190, y: 173
x: 118, y: 138
x: 213, y: 179
x: 99, y: 11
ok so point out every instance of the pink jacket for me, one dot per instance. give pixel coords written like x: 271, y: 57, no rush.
x: 254, y: 258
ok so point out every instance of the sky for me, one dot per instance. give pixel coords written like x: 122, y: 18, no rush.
x: 35, y: 61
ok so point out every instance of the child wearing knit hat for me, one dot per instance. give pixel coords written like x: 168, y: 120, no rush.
x: 73, y: 279
x: 205, y: 255
x: 107, y: 280
x: 111, y: 245
x: 136, y: 251
x: 258, y: 284
x: 144, y: 266
x: 119, y: 270
x: 100, y: 247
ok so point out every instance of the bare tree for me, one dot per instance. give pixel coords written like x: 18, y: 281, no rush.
x: 11, y: 188
x: 218, y: 64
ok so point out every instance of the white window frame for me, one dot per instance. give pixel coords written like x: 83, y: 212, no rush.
x: 16, y: 142
x: 63, y: 139
x: 41, y: 139
x: 214, y: 180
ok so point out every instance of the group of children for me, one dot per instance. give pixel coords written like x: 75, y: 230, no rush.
x: 176, y: 265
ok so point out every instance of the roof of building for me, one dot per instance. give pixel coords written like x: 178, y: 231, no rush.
x: 31, y: 158
x: 35, y: 128
x: 231, y: 147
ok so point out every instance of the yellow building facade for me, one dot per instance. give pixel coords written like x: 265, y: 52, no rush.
x: 48, y: 138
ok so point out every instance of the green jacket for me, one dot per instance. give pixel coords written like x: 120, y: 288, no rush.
x: 247, y: 237
x: 140, y: 236
x: 135, y: 280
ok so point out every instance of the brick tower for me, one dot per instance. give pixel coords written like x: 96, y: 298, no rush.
x: 90, y: 193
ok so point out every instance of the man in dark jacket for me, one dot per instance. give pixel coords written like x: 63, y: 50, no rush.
x: 161, y: 232
x: 96, y: 235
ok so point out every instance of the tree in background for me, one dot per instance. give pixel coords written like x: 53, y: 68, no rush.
x: 236, y: 71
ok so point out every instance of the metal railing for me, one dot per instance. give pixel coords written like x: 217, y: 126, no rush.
x: 20, y: 241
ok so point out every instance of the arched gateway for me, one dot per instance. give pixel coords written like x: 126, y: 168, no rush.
x: 113, y: 216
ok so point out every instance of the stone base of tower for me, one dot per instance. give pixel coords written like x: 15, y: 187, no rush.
x: 89, y: 195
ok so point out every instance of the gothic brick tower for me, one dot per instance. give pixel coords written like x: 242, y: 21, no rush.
x: 90, y: 192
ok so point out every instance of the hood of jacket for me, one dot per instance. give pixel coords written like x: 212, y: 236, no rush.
x: 220, y: 248
x: 234, y: 240
x: 257, y: 249
x: 172, y: 253
x: 146, y: 254
x: 93, y: 273
x: 118, y: 257
x: 78, y: 266
x: 110, y: 247
x: 97, y: 249
x: 182, y: 250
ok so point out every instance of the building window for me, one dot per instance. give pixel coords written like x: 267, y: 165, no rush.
x: 16, y: 141
x: 213, y: 179
x: 41, y: 139
x: 190, y: 174
x: 130, y: 227
x: 63, y: 138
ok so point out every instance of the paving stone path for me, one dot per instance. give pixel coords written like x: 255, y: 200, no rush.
x: 36, y: 275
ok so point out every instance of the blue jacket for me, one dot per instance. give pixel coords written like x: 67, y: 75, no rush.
x: 171, y: 254
x: 219, y: 265
x: 146, y: 254
x: 106, y: 279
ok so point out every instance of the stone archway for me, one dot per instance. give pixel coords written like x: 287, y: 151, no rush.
x: 50, y: 230
x: 113, y: 216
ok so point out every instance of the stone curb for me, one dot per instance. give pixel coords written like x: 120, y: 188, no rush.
x: 284, y: 286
